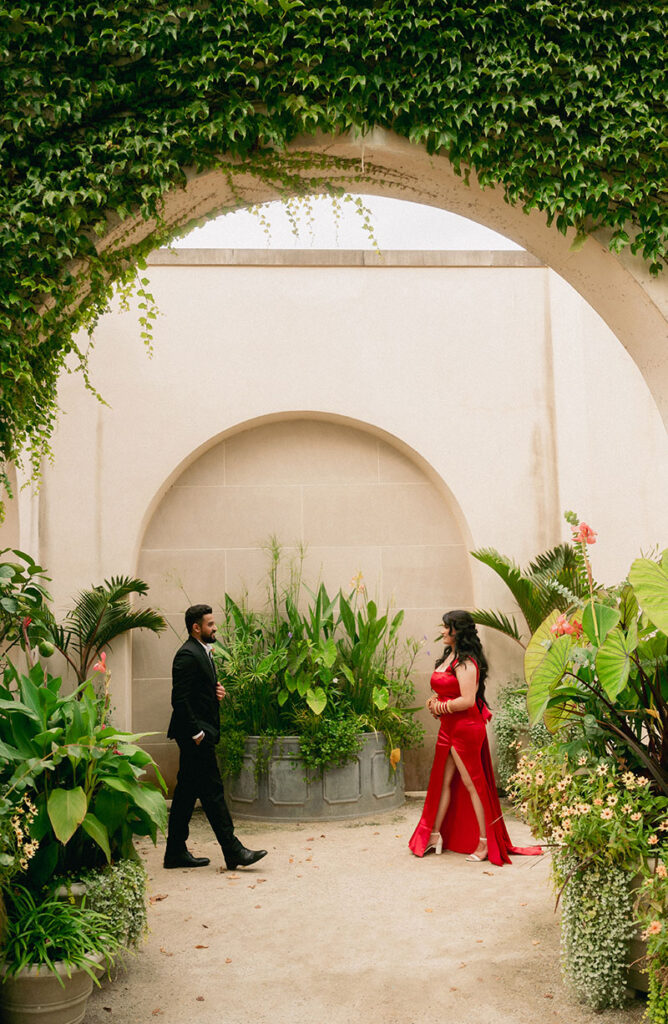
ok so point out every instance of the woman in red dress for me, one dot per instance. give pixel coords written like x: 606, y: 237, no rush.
x: 462, y: 810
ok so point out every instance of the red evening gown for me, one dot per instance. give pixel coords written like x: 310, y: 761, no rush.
x: 465, y: 732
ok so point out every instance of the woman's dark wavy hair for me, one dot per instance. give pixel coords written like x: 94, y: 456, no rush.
x: 467, y: 645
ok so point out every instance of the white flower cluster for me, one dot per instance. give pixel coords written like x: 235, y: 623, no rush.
x: 596, y: 928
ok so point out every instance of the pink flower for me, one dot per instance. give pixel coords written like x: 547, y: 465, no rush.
x: 654, y: 928
x: 584, y: 534
x: 661, y: 871
x: 101, y: 665
x: 653, y: 840
x: 563, y: 627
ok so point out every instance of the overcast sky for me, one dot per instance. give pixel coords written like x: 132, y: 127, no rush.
x: 396, y: 225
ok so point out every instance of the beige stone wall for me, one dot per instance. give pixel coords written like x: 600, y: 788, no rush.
x: 293, y: 395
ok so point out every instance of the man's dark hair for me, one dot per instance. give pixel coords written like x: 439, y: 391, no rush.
x: 196, y: 613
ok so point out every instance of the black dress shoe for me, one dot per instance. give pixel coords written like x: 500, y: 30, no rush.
x: 185, y: 860
x: 243, y: 858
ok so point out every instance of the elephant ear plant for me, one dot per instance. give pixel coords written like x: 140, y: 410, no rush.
x: 604, y: 666
x: 84, y: 777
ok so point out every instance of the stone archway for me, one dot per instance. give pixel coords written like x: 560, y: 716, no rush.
x: 619, y: 287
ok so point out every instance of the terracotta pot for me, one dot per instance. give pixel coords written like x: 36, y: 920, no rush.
x: 35, y: 995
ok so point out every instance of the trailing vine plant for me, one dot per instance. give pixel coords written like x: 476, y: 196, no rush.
x: 107, y: 107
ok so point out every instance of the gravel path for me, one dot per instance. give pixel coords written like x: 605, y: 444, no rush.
x: 341, y: 923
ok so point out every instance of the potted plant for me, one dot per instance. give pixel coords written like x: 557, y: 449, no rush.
x: 51, y: 954
x: 325, y: 691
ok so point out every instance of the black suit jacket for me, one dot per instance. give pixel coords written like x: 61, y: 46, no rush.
x: 193, y: 694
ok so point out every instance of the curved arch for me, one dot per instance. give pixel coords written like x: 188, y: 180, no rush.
x: 632, y: 303
x: 283, y: 417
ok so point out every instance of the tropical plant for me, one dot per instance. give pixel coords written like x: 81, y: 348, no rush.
x: 99, y: 615
x: 604, y: 667
x: 22, y: 596
x: 82, y: 774
x: 551, y: 581
x: 47, y: 930
x: 288, y: 671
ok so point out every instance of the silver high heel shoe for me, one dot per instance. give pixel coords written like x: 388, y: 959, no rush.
x: 475, y: 856
x: 435, y: 843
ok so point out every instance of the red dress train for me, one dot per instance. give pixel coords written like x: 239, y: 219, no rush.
x: 464, y: 731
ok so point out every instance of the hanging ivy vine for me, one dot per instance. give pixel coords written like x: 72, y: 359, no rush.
x: 105, y: 104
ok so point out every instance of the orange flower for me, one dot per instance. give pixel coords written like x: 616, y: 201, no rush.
x: 654, y: 928
x: 584, y: 534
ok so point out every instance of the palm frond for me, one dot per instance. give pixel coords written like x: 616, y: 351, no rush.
x: 523, y: 589
x: 498, y: 621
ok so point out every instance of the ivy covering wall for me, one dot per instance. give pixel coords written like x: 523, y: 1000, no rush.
x: 104, y: 104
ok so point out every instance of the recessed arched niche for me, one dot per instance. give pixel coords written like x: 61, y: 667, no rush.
x: 355, y: 500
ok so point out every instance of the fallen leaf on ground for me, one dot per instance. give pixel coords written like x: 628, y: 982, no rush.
x: 228, y: 960
x: 163, y: 950
x: 480, y: 940
x: 291, y: 860
x: 201, y: 947
x: 453, y: 988
x: 261, y: 880
x: 107, y: 1008
x: 308, y: 858
x: 310, y: 839
x: 251, y: 886
x: 376, y: 833
x: 488, y: 873
x: 463, y: 963
x: 258, y: 906
x: 548, y: 995
x: 200, y: 999
x: 155, y: 1012
x: 428, y: 910
x: 322, y: 835
x: 536, y: 942
x: 158, y: 896
x: 524, y: 904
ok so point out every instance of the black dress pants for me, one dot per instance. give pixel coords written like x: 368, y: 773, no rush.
x: 199, y: 778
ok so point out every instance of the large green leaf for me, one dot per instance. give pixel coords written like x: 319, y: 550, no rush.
x: 606, y: 619
x: 96, y: 830
x: 110, y: 807
x: 146, y: 797
x: 650, y: 583
x: 613, y: 660
x: 316, y: 699
x: 537, y: 646
x: 546, y: 676
x: 381, y: 697
x: 67, y: 809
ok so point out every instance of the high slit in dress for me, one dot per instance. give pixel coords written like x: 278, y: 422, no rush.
x: 466, y: 733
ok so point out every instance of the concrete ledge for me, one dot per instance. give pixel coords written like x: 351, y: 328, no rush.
x: 341, y: 258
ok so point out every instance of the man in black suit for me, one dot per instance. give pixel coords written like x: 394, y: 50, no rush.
x: 195, y: 725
